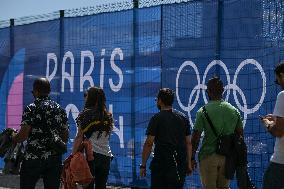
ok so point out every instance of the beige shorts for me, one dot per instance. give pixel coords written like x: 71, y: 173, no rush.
x: 212, y: 172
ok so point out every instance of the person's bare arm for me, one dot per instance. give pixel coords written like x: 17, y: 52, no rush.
x: 65, y: 135
x: 189, y: 153
x: 195, y: 141
x: 147, y: 148
x: 275, y: 126
x: 78, y: 140
x: 22, y: 135
x: 240, y: 131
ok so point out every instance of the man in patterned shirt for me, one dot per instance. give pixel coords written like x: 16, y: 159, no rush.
x: 40, y: 120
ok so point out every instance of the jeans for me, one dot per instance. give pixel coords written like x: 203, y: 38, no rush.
x: 100, y: 170
x: 49, y: 170
x: 274, y: 176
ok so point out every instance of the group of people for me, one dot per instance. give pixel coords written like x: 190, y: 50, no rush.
x: 44, y: 118
x: 169, y: 130
x: 176, y: 146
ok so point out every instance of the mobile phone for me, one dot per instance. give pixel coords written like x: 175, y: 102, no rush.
x: 261, y: 117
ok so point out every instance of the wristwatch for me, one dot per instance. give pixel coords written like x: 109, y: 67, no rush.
x: 142, y: 166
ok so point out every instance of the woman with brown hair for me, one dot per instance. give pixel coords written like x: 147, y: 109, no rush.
x: 96, y: 123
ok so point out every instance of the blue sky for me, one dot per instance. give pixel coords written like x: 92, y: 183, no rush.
x: 19, y: 8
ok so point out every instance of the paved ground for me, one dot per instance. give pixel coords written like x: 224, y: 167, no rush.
x: 13, y: 182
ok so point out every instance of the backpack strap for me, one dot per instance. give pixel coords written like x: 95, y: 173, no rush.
x: 209, y: 121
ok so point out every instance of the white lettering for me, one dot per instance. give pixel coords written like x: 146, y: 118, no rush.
x: 102, y: 69
x: 51, y: 56
x: 87, y: 76
x: 71, y: 108
x: 118, y: 132
x: 66, y: 75
x: 116, y: 88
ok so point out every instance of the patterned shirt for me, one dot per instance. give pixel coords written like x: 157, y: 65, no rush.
x: 45, y: 117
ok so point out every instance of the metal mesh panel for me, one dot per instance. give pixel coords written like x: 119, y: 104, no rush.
x: 111, y: 7
x: 37, y: 18
x: 273, y: 20
x: 5, y: 57
x: 148, y: 3
x: 4, y: 23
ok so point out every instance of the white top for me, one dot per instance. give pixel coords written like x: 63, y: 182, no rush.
x: 101, y: 144
x: 278, y: 155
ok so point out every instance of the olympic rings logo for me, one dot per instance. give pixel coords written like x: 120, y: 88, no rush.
x: 201, y: 87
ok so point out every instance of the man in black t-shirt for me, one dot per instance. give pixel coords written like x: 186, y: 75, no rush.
x: 170, y: 132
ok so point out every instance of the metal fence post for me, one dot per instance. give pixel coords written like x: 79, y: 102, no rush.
x: 220, y: 8
x: 61, y: 52
x: 12, y: 52
x: 161, y: 47
x: 12, y: 47
x: 133, y: 97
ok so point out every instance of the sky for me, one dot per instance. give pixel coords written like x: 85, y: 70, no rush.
x: 19, y: 8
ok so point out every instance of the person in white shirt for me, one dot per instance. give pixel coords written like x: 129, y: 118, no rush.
x: 274, y: 123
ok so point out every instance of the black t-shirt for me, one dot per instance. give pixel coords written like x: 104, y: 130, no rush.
x: 170, y: 127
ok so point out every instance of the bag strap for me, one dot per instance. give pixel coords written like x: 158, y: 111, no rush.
x: 209, y: 121
x: 90, y: 125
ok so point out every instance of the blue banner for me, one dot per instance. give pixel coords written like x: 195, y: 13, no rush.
x: 133, y: 53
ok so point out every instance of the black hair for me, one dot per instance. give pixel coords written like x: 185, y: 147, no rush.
x: 42, y: 86
x: 166, y: 95
x: 279, y: 68
x: 215, y: 86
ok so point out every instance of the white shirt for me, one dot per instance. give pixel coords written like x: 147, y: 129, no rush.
x: 278, y: 155
x: 101, y: 144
